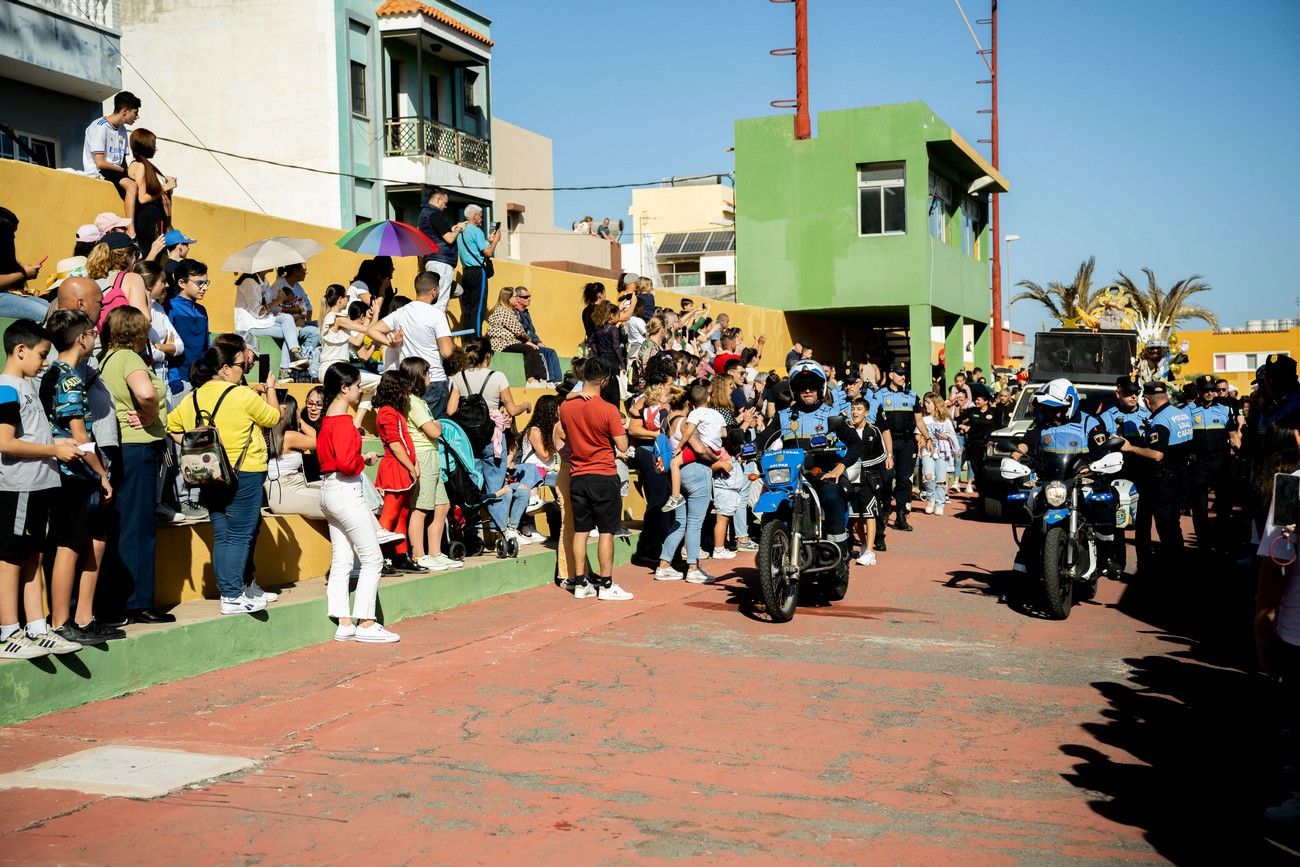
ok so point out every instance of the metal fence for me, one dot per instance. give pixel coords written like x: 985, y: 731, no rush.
x: 402, y: 138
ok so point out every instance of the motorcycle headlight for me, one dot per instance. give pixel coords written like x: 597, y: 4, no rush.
x: 778, y: 476
x: 1055, y: 494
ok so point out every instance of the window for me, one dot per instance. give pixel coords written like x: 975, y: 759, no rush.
x: 972, y: 223
x: 715, y: 278
x: 1220, y: 362
x: 882, y: 203
x: 29, y: 149
x: 1250, y: 361
x: 469, y: 79
x: 359, y: 89
x: 1241, y: 362
x: 940, y: 205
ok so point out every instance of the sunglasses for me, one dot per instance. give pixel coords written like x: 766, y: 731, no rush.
x: 524, y: 297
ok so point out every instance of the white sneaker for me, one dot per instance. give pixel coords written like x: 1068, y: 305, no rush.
x: 375, y: 633
x: 671, y: 504
x: 669, y: 574
x: 430, y: 563
x: 929, y: 507
x: 532, y: 539
x: 17, y: 646
x: 723, y: 554
x: 866, y: 558
x: 345, y: 633
x: 970, y: 487
x: 445, y: 562
x: 52, y: 642
x: 388, y: 536
x: 613, y: 593
x: 242, y: 605
x: 267, y: 596
x: 704, y: 555
x: 299, y: 364
x: 699, y: 576
x: 938, y: 510
x: 584, y: 591
x: 535, y: 383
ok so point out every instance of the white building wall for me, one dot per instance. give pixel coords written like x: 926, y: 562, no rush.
x: 254, y: 77
x: 725, y: 263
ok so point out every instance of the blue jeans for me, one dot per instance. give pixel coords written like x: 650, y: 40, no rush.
x: 516, y: 500
x: 553, y: 372
x: 235, y: 513
x: 135, y: 496
x: 697, y: 485
x: 835, y: 512
x: 17, y: 305
x: 494, y: 477
x: 284, y: 328
x: 934, y: 479
x: 656, y: 488
x: 436, y: 397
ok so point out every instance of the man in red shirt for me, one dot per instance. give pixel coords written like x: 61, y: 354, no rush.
x: 726, y: 351
x: 594, y: 434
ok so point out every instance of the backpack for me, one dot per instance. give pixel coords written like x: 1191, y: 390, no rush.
x: 114, y: 298
x: 473, y: 416
x: 663, y: 453
x: 203, y: 457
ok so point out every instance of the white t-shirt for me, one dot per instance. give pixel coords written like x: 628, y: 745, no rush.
x: 248, y: 303
x: 103, y: 137
x: 421, y: 325
x: 161, y: 331
x: 634, y: 328
x: 709, y: 425
x: 356, y: 290
x: 273, y: 292
x: 333, y: 343
x: 1288, y: 613
x: 490, y: 383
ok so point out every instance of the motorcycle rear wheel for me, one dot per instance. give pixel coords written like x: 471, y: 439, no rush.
x: 780, y: 594
x: 1058, y: 586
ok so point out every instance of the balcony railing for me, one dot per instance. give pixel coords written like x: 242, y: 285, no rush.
x: 402, y: 139
x: 104, y: 14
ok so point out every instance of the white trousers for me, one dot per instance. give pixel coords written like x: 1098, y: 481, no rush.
x: 354, y: 536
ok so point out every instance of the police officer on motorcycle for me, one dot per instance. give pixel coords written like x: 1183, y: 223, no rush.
x: 1059, y: 428
x: 809, y: 416
x: 1164, y: 459
x: 900, y: 410
x: 1213, y: 424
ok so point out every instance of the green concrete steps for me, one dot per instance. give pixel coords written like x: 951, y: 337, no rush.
x: 202, y: 640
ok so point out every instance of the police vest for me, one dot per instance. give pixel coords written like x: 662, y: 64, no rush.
x: 1130, y: 425
x: 899, y: 409
x: 807, y: 424
x: 1210, y: 429
x: 1070, y: 438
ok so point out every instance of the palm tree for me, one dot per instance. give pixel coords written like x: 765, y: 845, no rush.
x: 1062, y: 300
x: 1172, y: 307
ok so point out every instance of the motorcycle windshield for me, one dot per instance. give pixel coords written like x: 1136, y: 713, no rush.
x: 1055, y: 466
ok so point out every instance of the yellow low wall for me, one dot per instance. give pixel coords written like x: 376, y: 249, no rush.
x: 52, y: 204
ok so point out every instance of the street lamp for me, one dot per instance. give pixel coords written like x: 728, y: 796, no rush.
x: 1008, y: 239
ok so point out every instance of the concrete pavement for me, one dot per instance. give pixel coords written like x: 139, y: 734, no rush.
x: 916, y: 722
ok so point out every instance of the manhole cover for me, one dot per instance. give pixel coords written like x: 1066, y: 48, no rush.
x: 128, y: 772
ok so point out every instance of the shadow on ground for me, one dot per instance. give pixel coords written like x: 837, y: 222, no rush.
x: 1191, y: 735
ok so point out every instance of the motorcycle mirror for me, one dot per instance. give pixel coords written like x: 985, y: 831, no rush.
x: 1114, y: 443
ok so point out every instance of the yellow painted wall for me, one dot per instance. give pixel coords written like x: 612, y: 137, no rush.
x: 51, y: 205
x: 1203, y: 345
x: 691, y: 208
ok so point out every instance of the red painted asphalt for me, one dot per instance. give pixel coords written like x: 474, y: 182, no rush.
x: 913, y: 723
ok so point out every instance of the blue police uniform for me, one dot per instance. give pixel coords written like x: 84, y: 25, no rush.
x: 1169, y: 431
x: 799, y: 425
x: 896, y: 410
x: 1129, y: 425
x: 1208, y: 470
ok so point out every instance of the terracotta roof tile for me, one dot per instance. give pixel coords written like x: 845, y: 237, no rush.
x: 413, y: 7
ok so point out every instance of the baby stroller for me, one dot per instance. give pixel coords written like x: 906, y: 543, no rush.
x: 464, y: 485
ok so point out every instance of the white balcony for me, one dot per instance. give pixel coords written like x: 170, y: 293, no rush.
x: 68, y: 46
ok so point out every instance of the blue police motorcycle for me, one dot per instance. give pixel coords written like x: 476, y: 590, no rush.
x: 1067, y: 516
x: 792, y: 546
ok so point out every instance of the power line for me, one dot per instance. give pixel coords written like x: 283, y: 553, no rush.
x: 972, y: 35
x: 338, y: 174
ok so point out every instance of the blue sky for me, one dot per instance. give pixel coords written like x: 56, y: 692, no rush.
x: 1158, y: 133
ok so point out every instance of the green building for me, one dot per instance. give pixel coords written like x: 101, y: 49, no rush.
x: 880, y: 220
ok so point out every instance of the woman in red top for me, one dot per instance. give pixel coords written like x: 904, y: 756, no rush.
x: 398, y: 470
x: 353, y: 529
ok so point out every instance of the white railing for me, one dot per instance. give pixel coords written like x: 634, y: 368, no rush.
x: 105, y: 14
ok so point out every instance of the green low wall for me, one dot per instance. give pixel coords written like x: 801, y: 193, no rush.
x: 153, y: 656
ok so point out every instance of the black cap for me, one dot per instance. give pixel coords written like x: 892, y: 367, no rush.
x: 119, y: 241
x: 1205, y: 382
x: 1155, y: 386
x: 1127, y: 385
x: 1280, y: 367
x: 979, y: 389
x: 899, y: 368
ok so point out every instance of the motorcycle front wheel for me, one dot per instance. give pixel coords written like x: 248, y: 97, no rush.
x: 780, y: 594
x: 1058, y: 586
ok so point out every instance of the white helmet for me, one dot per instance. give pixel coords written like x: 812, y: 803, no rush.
x: 1059, y: 393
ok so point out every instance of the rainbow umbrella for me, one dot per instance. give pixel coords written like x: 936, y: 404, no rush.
x: 387, y: 238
